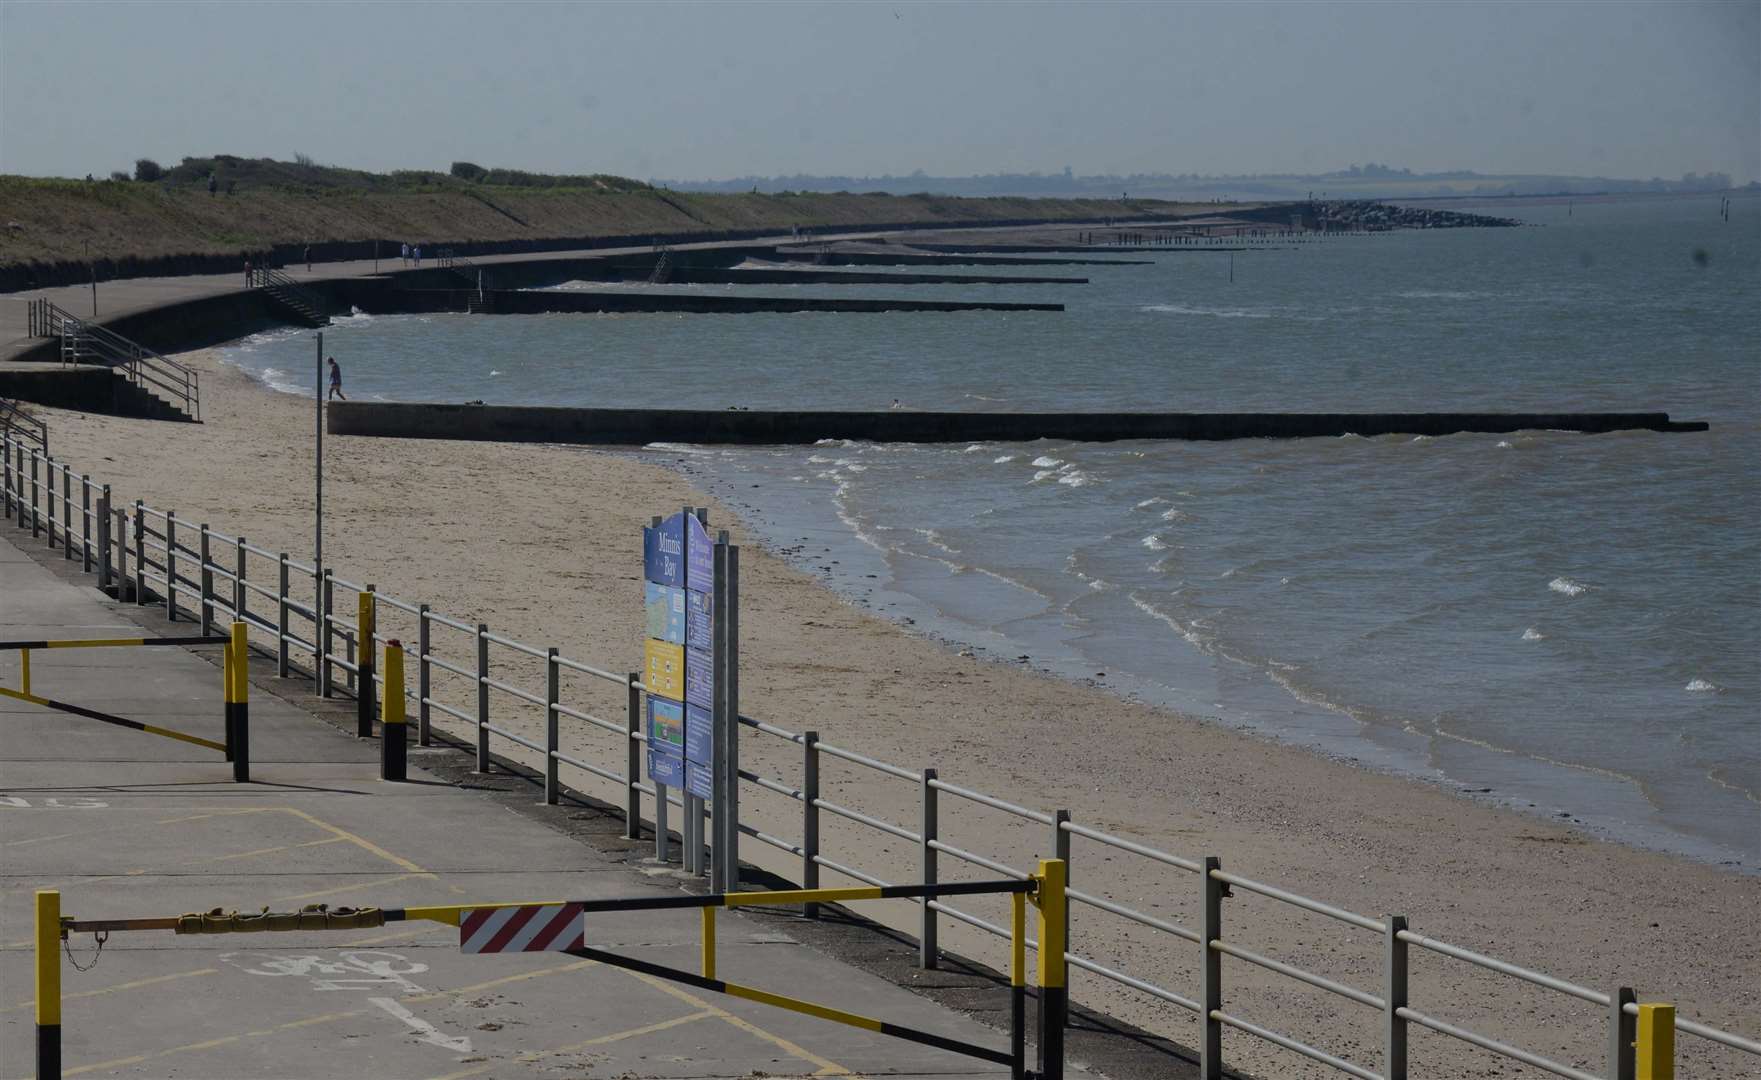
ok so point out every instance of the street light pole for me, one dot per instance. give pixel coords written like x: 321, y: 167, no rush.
x: 318, y: 516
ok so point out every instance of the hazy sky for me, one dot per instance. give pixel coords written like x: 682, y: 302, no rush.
x: 694, y: 91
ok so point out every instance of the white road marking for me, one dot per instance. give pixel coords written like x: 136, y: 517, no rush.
x: 427, y: 1032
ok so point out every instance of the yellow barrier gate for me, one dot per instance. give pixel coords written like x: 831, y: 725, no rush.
x: 236, y: 746
x: 512, y: 927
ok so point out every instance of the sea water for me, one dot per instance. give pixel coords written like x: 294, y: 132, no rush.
x: 1562, y: 622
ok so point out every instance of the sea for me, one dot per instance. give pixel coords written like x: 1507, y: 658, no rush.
x: 1566, y: 624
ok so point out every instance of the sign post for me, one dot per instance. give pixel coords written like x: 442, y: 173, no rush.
x: 684, y: 668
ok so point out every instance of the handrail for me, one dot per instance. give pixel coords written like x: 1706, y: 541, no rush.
x: 144, y: 365
x: 24, y: 492
x: 14, y: 418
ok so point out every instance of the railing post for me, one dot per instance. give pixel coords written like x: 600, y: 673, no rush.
x: 482, y: 697
x: 366, y: 614
x: 49, y: 495
x: 1061, y: 850
x: 1211, y: 974
x: 122, y: 553
x: 170, y: 566
x: 661, y: 841
x: 6, y: 477
x: 36, y: 496
x: 326, y: 603
x: 1394, y: 975
x: 632, y: 756
x: 140, y: 554
x: 206, y: 554
x: 104, y: 538
x: 423, y: 733
x: 1622, y: 1032
x: 552, y: 747
x: 240, y: 600
x: 926, y: 934
x: 281, y: 620
x: 810, y: 818
x: 66, y: 512
x: 85, y: 518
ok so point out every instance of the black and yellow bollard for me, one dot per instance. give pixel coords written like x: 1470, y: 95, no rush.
x: 365, y: 688
x: 48, y: 984
x: 1054, y: 993
x: 394, y: 739
x: 238, y: 704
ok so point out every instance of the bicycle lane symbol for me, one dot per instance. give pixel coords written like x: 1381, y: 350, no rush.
x: 357, y: 969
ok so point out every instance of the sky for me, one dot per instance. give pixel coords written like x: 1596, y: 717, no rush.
x: 710, y: 91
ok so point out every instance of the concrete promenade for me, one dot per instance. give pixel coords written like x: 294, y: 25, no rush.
x: 129, y: 825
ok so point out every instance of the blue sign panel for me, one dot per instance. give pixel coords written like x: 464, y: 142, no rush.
x: 698, y: 781
x: 699, y: 618
x: 663, y: 553
x: 666, y: 613
x: 700, y: 554
x: 665, y: 768
x: 700, y: 678
x: 666, y: 725
x: 699, y: 735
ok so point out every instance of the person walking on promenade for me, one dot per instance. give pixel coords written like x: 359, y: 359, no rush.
x: 416, y: 253
x: 247, y: 273
x: 336, y: 381
x: 308, y: 258
x: 404, y: 254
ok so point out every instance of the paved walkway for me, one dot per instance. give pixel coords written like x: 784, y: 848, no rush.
x: 128, y: 825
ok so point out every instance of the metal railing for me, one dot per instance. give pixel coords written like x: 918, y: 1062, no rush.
x: 474, y: 273
x: 297, y: 297
x: 86, y: 342
x: 466, y: 673
x: 16, y: 423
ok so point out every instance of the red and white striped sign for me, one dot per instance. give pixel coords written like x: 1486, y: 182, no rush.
x: 533, y: 928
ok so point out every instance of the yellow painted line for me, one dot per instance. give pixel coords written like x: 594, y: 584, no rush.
x: 350, y: 888
x: 38, y: 840
x: 826, y: 1066
x: 212, y: 1043
x: 137, y: 984
x: 435, y: 995
x: 273, y: 850
x: 219, y: 813
x: 616, y: 1036
x: 365, y: 845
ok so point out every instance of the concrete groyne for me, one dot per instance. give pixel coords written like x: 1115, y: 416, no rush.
x: 598, y: 301
x: 637, y: 427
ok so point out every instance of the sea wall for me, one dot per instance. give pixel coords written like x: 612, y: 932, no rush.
x: 636, y: 427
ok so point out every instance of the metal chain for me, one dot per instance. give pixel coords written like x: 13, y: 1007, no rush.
x: 100, y: 937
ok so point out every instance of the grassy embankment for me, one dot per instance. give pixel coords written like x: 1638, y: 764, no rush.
x: 263, y: 203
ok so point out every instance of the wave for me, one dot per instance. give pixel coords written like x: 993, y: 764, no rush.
x: 1174, y: 513
x: 1215, y: 313
x: 1442, y: 294
x: 975, y: 448
x: 1532, y: 634
x: 1701, y: 686
x: 1566, y: 586
x: 1043, y: 474
x: 1005, y: 459
x: 1146, y: 503
x: 1045, y: 462
x: 1075, y: 478
x: 1154, y: 543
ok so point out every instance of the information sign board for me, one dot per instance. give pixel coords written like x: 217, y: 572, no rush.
x: 663, y: 552
x: 699, y: 617
x: 665, y: 768
x: 699, y: 735
x: 699, y: 781
x: 700, y: 678
x: 666, y: 613
x: 666, y: 725
x: 663, y: 669
x: 699, y: 555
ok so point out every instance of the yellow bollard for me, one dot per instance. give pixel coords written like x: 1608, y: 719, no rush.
x: 1054, y: 994
x: 24, y: 671
x: 1655, y: 1056
x: 364, y: 654
x: 48, y: 984
x: 238, y: 703
x: 394, y: 738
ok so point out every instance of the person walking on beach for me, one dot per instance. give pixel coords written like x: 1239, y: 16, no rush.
x: 336, y: 381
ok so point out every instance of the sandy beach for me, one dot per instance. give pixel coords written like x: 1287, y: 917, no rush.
x: 543, y: 545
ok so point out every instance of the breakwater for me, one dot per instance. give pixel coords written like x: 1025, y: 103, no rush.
x: 638, y: 427
x: 922, y: 258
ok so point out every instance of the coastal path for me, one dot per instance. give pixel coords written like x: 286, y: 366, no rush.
x: 125, y: 826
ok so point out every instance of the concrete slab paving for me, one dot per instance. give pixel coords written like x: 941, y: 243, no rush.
x: 129, y: 825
